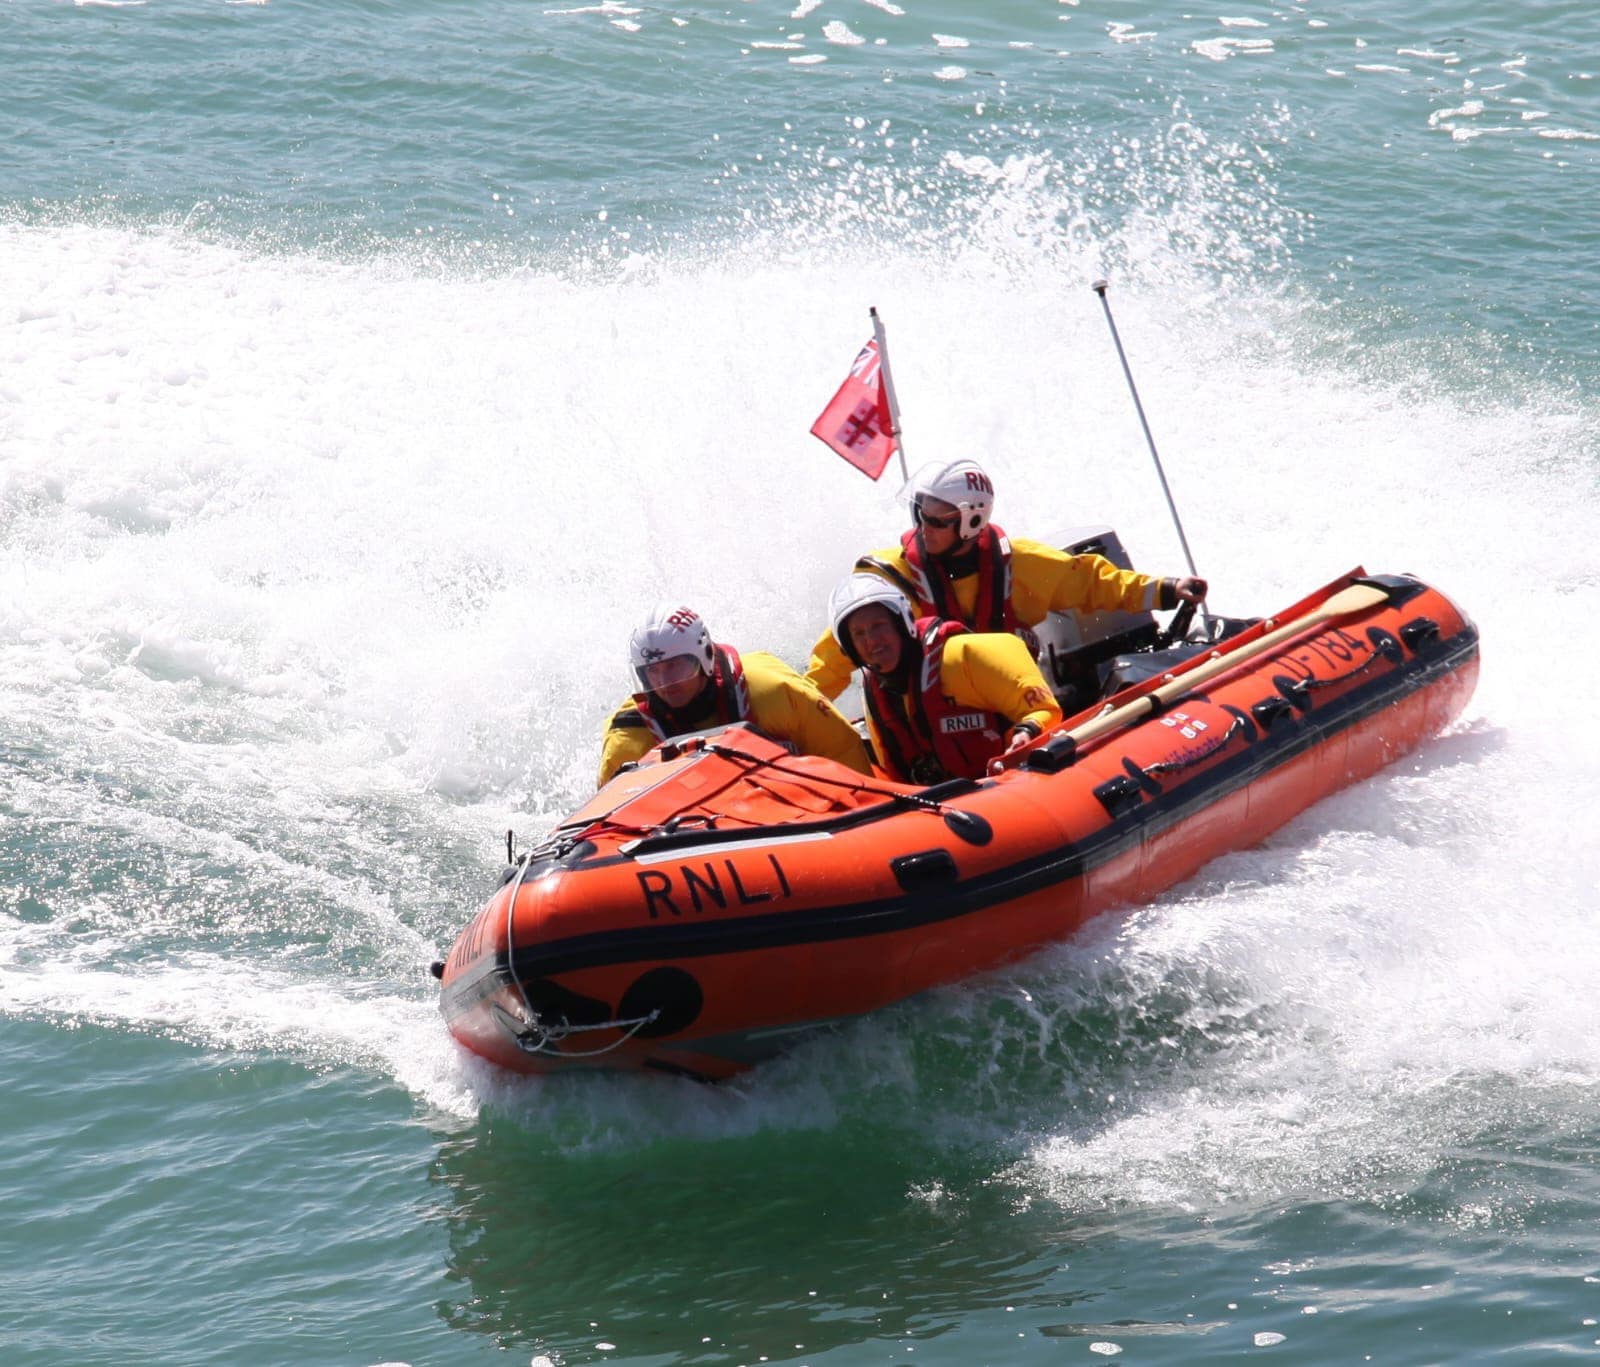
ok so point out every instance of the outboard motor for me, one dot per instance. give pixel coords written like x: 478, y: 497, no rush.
x: 1076, y: 647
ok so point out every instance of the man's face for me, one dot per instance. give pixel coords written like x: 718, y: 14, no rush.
x: 939, y: 521
x: 877, y: 640
x: 675, y: 681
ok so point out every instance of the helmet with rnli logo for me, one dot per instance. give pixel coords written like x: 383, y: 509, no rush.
x: 670, y: 632
x: 858, y: 591
x: 960, y: 483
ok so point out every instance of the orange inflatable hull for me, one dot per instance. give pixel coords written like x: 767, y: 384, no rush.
x: 720, y: 899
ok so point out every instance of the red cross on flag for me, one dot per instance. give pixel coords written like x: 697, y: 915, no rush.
x: 858, y: 421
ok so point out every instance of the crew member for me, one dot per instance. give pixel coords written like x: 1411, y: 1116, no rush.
x: 941, y: 701
x: 688, y: 683
x: 954, y: 564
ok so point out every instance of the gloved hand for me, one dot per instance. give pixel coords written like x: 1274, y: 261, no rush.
x: 1022, y: 734
x: 1189, y: 590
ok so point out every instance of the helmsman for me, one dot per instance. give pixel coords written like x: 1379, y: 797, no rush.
x: 956, y: 565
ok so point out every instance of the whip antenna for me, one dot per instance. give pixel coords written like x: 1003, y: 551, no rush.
x: 1099, y: 288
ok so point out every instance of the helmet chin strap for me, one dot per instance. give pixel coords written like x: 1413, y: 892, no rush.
x: 898, y: 679
x: 961, y: 554
x: 701, y: 703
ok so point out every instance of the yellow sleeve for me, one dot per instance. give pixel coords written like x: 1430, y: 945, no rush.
x: 1044, y: 579
x: 627, y: 738
x: 789, y: 708
x: 891, y: 564
x: 830, y: 668
x: 995, y: 672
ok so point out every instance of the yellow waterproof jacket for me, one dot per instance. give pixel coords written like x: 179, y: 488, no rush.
x: 983, y: 672
x: 783, y: 705
x: 1043, y: 580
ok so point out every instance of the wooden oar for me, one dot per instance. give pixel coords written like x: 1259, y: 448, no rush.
x: 1356, y: 598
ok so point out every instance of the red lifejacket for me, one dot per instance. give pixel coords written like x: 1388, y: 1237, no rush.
x: 931, y: 738
x: 730, y: 700
x: 991, y: 608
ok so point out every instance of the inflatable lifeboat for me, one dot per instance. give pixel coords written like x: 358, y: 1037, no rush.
x: 718, y: 900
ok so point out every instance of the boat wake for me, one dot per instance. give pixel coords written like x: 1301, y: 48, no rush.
x: 315, y: 577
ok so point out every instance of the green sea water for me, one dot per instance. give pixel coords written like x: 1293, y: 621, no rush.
x: 363, y: 367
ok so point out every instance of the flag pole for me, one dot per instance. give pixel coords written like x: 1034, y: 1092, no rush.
x: 888, y: 388
x: 1099, y: 288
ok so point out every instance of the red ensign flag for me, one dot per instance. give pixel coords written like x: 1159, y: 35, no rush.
x: 856, y: 423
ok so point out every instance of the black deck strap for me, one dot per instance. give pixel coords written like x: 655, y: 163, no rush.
x: 1249, y: 727
x: 1142, y: 776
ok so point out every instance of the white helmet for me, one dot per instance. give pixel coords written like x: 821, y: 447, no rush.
x: 670, y: 631
x: 857, y: 592
x: 960, y: 483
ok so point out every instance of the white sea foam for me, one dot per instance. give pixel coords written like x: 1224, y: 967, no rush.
x: 1220, y: 49
x: 235, y: 1005
x: 1470, y: 110
x: 837, y: 31
x: 604, y: 7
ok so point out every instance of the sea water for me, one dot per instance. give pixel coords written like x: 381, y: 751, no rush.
x: 365, y: 368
